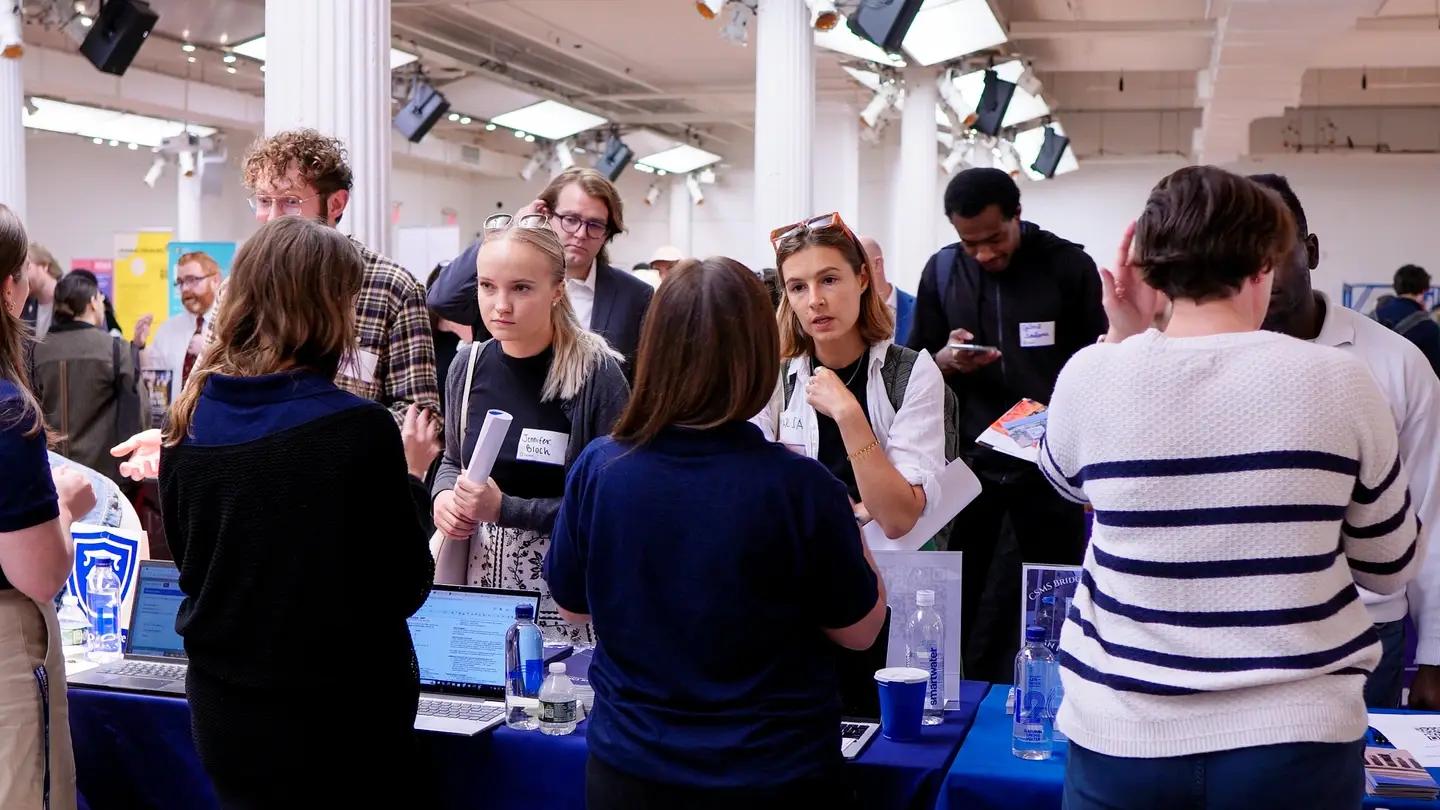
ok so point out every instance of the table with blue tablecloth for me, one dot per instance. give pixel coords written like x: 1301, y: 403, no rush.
x: 134, y: 751
x: 987, y: 776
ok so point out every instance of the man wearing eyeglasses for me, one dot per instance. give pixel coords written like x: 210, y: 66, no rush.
x: 586, y: 211
x: 168, y: 356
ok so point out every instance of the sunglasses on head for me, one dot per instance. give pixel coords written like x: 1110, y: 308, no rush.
x: 823, y: 222
x: 499, y: 222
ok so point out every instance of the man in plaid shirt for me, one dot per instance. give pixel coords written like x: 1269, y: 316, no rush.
x: 303, y: 173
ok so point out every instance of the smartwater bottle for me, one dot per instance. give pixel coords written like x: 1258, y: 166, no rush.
x: 102, y: 589
x: 524, y: 670
x: 925, y: 649
x: 1031, y: 738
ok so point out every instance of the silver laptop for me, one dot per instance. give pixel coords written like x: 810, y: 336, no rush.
x: 459, y: 636
x: 154, y: 659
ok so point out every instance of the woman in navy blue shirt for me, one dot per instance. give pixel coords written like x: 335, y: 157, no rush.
x: 720, y: 571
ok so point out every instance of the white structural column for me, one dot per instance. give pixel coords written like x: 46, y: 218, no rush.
x: 784, y: 119
x: 12, y: 121
x: 919, y: 190
x: 835, y: 162
x: 188, y: 226
x: 682, y: 213
x: 328, y: 68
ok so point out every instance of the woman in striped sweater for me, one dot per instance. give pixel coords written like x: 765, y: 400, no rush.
x: 1243, y: 483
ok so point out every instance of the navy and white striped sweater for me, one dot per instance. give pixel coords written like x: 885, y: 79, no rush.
x: 1242, y: 485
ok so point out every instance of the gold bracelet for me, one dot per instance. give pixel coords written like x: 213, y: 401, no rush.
x: 862, y: 451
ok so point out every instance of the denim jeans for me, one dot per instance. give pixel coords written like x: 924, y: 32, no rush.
x: 1382, y: 688
x: 1315, y: 776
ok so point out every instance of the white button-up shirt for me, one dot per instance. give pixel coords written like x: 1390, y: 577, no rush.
x: 1412, y: 391
x: 913, y: 439
x: 582, y: 296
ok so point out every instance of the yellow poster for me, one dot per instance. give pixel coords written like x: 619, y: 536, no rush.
x: 142, y: 277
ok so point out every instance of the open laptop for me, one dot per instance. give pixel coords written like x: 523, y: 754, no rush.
x: 154, y: 658
x: 459, y: 636
x: 859, y: 693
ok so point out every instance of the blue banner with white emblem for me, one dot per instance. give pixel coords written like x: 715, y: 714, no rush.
x: 93, y: 543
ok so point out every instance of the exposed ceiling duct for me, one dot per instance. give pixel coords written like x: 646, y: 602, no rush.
x: 1260, y: 53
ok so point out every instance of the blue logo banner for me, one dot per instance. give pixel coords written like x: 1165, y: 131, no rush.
x: 93, y: 544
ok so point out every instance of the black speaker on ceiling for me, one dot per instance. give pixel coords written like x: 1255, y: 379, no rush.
x: 885, y: 22
x: 120, y: 28
x: 419, y: 114
x: 614, y: 159
x: 994, y: 101
x: 1051, y: 151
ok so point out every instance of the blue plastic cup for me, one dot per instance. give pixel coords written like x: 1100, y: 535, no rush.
x: 902, y: 702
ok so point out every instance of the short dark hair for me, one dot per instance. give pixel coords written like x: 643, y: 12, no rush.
x: 1411, y: 280
x: 709, y: 351
x: 973, y: 190
x: 1279, y: 184
x: 73, y: 295
x: 1204, y: 231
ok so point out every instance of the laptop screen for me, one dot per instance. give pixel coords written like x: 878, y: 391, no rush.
x: 459, y: 636
x: 157, y: 599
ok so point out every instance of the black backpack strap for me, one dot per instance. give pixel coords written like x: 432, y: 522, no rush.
x: 895, y: 373
x: 1411, y: 321
x: 944, y: 269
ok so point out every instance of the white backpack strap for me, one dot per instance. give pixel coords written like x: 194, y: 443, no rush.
x: 475, y: 350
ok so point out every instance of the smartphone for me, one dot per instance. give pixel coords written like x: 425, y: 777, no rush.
x: 973, y: 347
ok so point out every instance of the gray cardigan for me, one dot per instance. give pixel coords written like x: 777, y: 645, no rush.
x: 593, y: 412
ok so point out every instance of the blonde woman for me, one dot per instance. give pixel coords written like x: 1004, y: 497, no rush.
x: 563, y: 385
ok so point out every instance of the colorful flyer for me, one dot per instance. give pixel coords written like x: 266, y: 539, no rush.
x: 1018, y: 431
x: 160, y: 383
x: 142, y: 278
x: 1045, y: 599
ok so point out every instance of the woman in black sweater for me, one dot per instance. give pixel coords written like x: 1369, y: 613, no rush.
x: 299, y: 539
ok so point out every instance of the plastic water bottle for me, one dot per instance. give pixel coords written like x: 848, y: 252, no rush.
x: 524, y: 669
x: 102, y: 589
x: 559, y: 703
x: 925, y: 649
x: 1057, y: 696
x: 1031, y: 739
x: 74, y: 624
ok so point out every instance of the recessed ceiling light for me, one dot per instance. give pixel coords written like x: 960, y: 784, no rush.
x: 187, y: 48
x: 454, y: 116
x: 86, y: 21
x: 103, y: 126
x: 97, y: 141
x: 550, y: 120
x: 229, y: 59
x: 489, y: 127
x: 681, y: 159
x: 114, y: 143
x: 519, y: 133
x: 529, y: 138
x: 134, y: 146
x: 229, y: 70
x: 190, y: 59
x: 464, y: 119
x: 224, y: 38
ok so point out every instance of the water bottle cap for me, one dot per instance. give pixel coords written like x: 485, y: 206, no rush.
x: 525, y: 612
x: 925, y: 598
x: 104, y: 562
x: 1034, y: 633
x: 557, y: 668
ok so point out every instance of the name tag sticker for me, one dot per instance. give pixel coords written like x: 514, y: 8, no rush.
x: 792, y: 432
x: 1040, y: 333
x: 544, y: 446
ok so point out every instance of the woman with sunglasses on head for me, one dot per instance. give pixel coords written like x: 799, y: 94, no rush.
x: 687, y: 523
x: 562, y: 385
x: 841, y: 373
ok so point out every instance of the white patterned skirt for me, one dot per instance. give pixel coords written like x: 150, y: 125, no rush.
x: 502, y: 557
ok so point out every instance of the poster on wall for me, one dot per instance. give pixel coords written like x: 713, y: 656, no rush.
x: 1045, y: 599
x: 222, y: 252
x: 104, y: 272
x: 141, y: 277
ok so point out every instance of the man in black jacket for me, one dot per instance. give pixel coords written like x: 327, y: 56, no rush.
x: 586, y: 212
x: 1034, y: 298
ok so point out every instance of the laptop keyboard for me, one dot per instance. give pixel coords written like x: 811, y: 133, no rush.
x: 454, y: 710
x: 146, y: 669
x: 852, y: 731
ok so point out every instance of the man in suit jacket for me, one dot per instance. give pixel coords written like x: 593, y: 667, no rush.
x: 902, y: 304
x: 586, y: 212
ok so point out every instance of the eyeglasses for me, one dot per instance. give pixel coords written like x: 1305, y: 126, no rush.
x: 185, y: 282
x: 569, y: 223
x: 499, y: 222
x: 821, y: 223
x: 289, y: 206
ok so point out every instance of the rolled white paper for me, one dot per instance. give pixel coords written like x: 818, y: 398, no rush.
x: 482, y: 460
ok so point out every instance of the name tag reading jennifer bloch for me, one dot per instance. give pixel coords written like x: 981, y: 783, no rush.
x: 544, y: 446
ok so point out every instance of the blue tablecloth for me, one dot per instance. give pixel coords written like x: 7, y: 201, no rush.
x: 133, y: 752
x: 987, y: 776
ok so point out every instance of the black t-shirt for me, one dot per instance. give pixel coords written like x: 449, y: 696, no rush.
x: 532, y: 459
x: 832, y: 452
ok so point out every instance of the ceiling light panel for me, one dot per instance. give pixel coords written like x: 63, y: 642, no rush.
x: 93, y: 122
x: 1023, y: 106
x: 842, y: 40
x: 255, y: 49
x: 1028, y: 144
x: 550, y: 120
x: 681, y: 159
x: 949, y: 29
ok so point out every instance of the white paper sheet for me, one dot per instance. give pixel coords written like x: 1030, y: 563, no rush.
x: 482, y: 459
x: 1003, y: 443
x: 958, y: 487
x: 906, y: 572
x: 1417, y: 733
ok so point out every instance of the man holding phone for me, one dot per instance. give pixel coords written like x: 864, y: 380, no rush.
x: 1003, y: 310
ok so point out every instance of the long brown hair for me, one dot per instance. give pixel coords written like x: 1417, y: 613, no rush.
x: 596, y: 185
x: 709, y: 352
x: 578, y: 351
x: 13, y: 334
x: 289, y: 303
x: 875, y: 322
